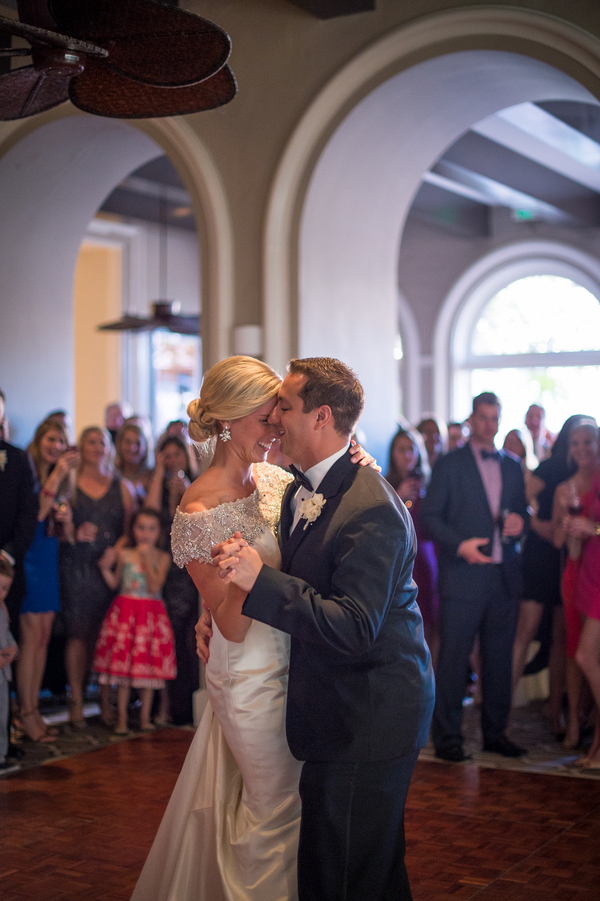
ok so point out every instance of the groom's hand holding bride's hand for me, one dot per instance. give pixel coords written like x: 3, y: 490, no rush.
x: 237, y: 561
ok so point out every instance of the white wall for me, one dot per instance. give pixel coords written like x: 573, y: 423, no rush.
x: 51, y: 184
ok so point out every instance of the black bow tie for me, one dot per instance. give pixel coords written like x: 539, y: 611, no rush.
x: 489, y: 455
x: 300, y: 479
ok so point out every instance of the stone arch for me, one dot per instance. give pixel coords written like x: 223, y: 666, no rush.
x: 350, y: 171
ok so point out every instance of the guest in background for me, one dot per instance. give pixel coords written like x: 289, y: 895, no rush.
x: 475, y: 510
x: 535, y: 420
x: 408, y: 473
x: 102, y: 508
x: 8, y: 652
x: 172, y: 476
x: 53, y: 464
x: 587, y: 600
x: 18, y: 519
x: 434, y: 435
x: 456, y: 435
x: 131, y: 459
x: 573, y: 498
x: 114, y: 417
x: 521, y: 447
x: 18, y: 514
x: 541, y: 612
x: 63, y: 418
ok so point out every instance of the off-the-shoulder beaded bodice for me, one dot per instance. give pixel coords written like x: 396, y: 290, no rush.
x: 193, y: 534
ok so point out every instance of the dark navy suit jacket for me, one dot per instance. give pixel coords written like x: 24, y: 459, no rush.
x: 18, y: 514
x: 456, y: 508
x: 360, y: 680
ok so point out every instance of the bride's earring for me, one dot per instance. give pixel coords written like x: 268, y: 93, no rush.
x: 225, y: 435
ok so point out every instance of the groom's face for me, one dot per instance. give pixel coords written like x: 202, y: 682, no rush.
x: 291, y: 419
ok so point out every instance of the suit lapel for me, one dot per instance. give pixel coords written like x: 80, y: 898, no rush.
x: 287, y: 517
x: 329, y: 487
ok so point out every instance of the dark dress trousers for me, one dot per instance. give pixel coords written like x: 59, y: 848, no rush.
x: 476, y: 599
x: 361, y: 686
x: 18, y: 517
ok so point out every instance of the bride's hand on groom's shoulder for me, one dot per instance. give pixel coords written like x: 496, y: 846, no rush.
x: 362, y: 457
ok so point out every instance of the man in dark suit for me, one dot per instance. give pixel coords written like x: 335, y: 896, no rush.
x: 475, y: 511
x: 360, y: 681
x: 18, y: 514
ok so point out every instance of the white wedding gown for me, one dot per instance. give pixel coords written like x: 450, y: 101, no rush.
x: 230, y: 831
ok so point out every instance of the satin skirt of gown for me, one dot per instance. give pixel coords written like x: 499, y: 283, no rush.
x: 230, y: 831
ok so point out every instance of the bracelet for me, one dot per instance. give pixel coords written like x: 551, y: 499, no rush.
x: 597, y: 529
x: 51, y: 494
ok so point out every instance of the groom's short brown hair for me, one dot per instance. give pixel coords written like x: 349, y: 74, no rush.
x: 331, y: 383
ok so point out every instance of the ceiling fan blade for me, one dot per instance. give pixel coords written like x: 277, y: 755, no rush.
x: 25, y: 92
x: 102, y: 92
x: 36, y: 35
x: 147, y: 41
x: 127, y: 324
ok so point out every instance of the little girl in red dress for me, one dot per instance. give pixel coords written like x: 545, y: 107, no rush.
x: 136, y: 648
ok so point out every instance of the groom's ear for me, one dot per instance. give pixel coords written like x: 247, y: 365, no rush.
x: 324, y: 417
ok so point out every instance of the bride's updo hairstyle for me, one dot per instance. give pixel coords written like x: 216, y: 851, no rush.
x: 235, y: 387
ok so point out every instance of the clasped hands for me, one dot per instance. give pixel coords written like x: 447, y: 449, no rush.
x: 238, y: 563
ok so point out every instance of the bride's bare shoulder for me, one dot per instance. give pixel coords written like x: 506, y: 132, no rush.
x: 202, y: 495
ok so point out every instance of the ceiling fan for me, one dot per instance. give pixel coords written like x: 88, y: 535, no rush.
x: 165, y: 314
x: 126, y: 59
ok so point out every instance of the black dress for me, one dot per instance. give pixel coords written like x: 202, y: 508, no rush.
x: 181, y: 600
x: 85, y: 596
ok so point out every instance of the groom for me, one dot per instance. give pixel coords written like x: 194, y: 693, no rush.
x: 360, y: 680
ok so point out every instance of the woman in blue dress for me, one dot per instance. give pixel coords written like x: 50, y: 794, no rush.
x: 53, y: 463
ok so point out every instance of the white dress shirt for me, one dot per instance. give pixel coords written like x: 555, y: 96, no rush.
x: 315, y: 475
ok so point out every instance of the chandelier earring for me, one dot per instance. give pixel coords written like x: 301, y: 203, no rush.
x: 225, y: 435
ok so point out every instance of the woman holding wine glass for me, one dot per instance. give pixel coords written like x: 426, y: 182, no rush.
x: 572, y: 501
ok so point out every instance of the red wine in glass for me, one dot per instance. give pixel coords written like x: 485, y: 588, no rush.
x: 575, y: 508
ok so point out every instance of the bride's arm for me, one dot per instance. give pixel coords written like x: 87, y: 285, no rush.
x: 214, y: 592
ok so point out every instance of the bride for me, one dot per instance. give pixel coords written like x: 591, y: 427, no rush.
x: 230, y: 831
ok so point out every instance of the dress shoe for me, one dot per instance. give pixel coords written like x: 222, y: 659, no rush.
x: 505, y: 747
x: 452, y: 753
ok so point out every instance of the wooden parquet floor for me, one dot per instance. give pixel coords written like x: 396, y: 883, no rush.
x: 79, y: 829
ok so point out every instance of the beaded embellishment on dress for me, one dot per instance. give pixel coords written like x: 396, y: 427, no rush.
x: 193, y: 534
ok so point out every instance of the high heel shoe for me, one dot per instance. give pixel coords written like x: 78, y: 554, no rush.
x: 32, y: 731
x: 48, y: 730
x: 78, y: 722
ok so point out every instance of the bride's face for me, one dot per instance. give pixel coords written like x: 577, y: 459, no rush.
x: 253, y: 435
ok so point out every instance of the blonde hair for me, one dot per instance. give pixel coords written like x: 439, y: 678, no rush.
x: 110, y: 449
x: 34, y: 450
x: 235, y: 387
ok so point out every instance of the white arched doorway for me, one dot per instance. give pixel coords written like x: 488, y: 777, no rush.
x: 52, y: 182
x: 348, y: 202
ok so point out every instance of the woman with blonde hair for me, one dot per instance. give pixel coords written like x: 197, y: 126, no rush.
x: 54, y: 464
x: 103, y: 504
x: 230, y: 832
x: 131, y: 460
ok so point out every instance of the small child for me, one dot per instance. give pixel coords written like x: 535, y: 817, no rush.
x: 8, y: 652
x: 136, y: 646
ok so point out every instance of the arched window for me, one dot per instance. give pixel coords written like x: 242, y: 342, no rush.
x: 529, y: 329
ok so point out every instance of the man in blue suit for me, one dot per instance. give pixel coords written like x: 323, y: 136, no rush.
x: 475, y: 511
x: 360, y: 681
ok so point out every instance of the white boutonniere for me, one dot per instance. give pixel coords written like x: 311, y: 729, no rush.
x: 311, y: 508
x: 2, y: 460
